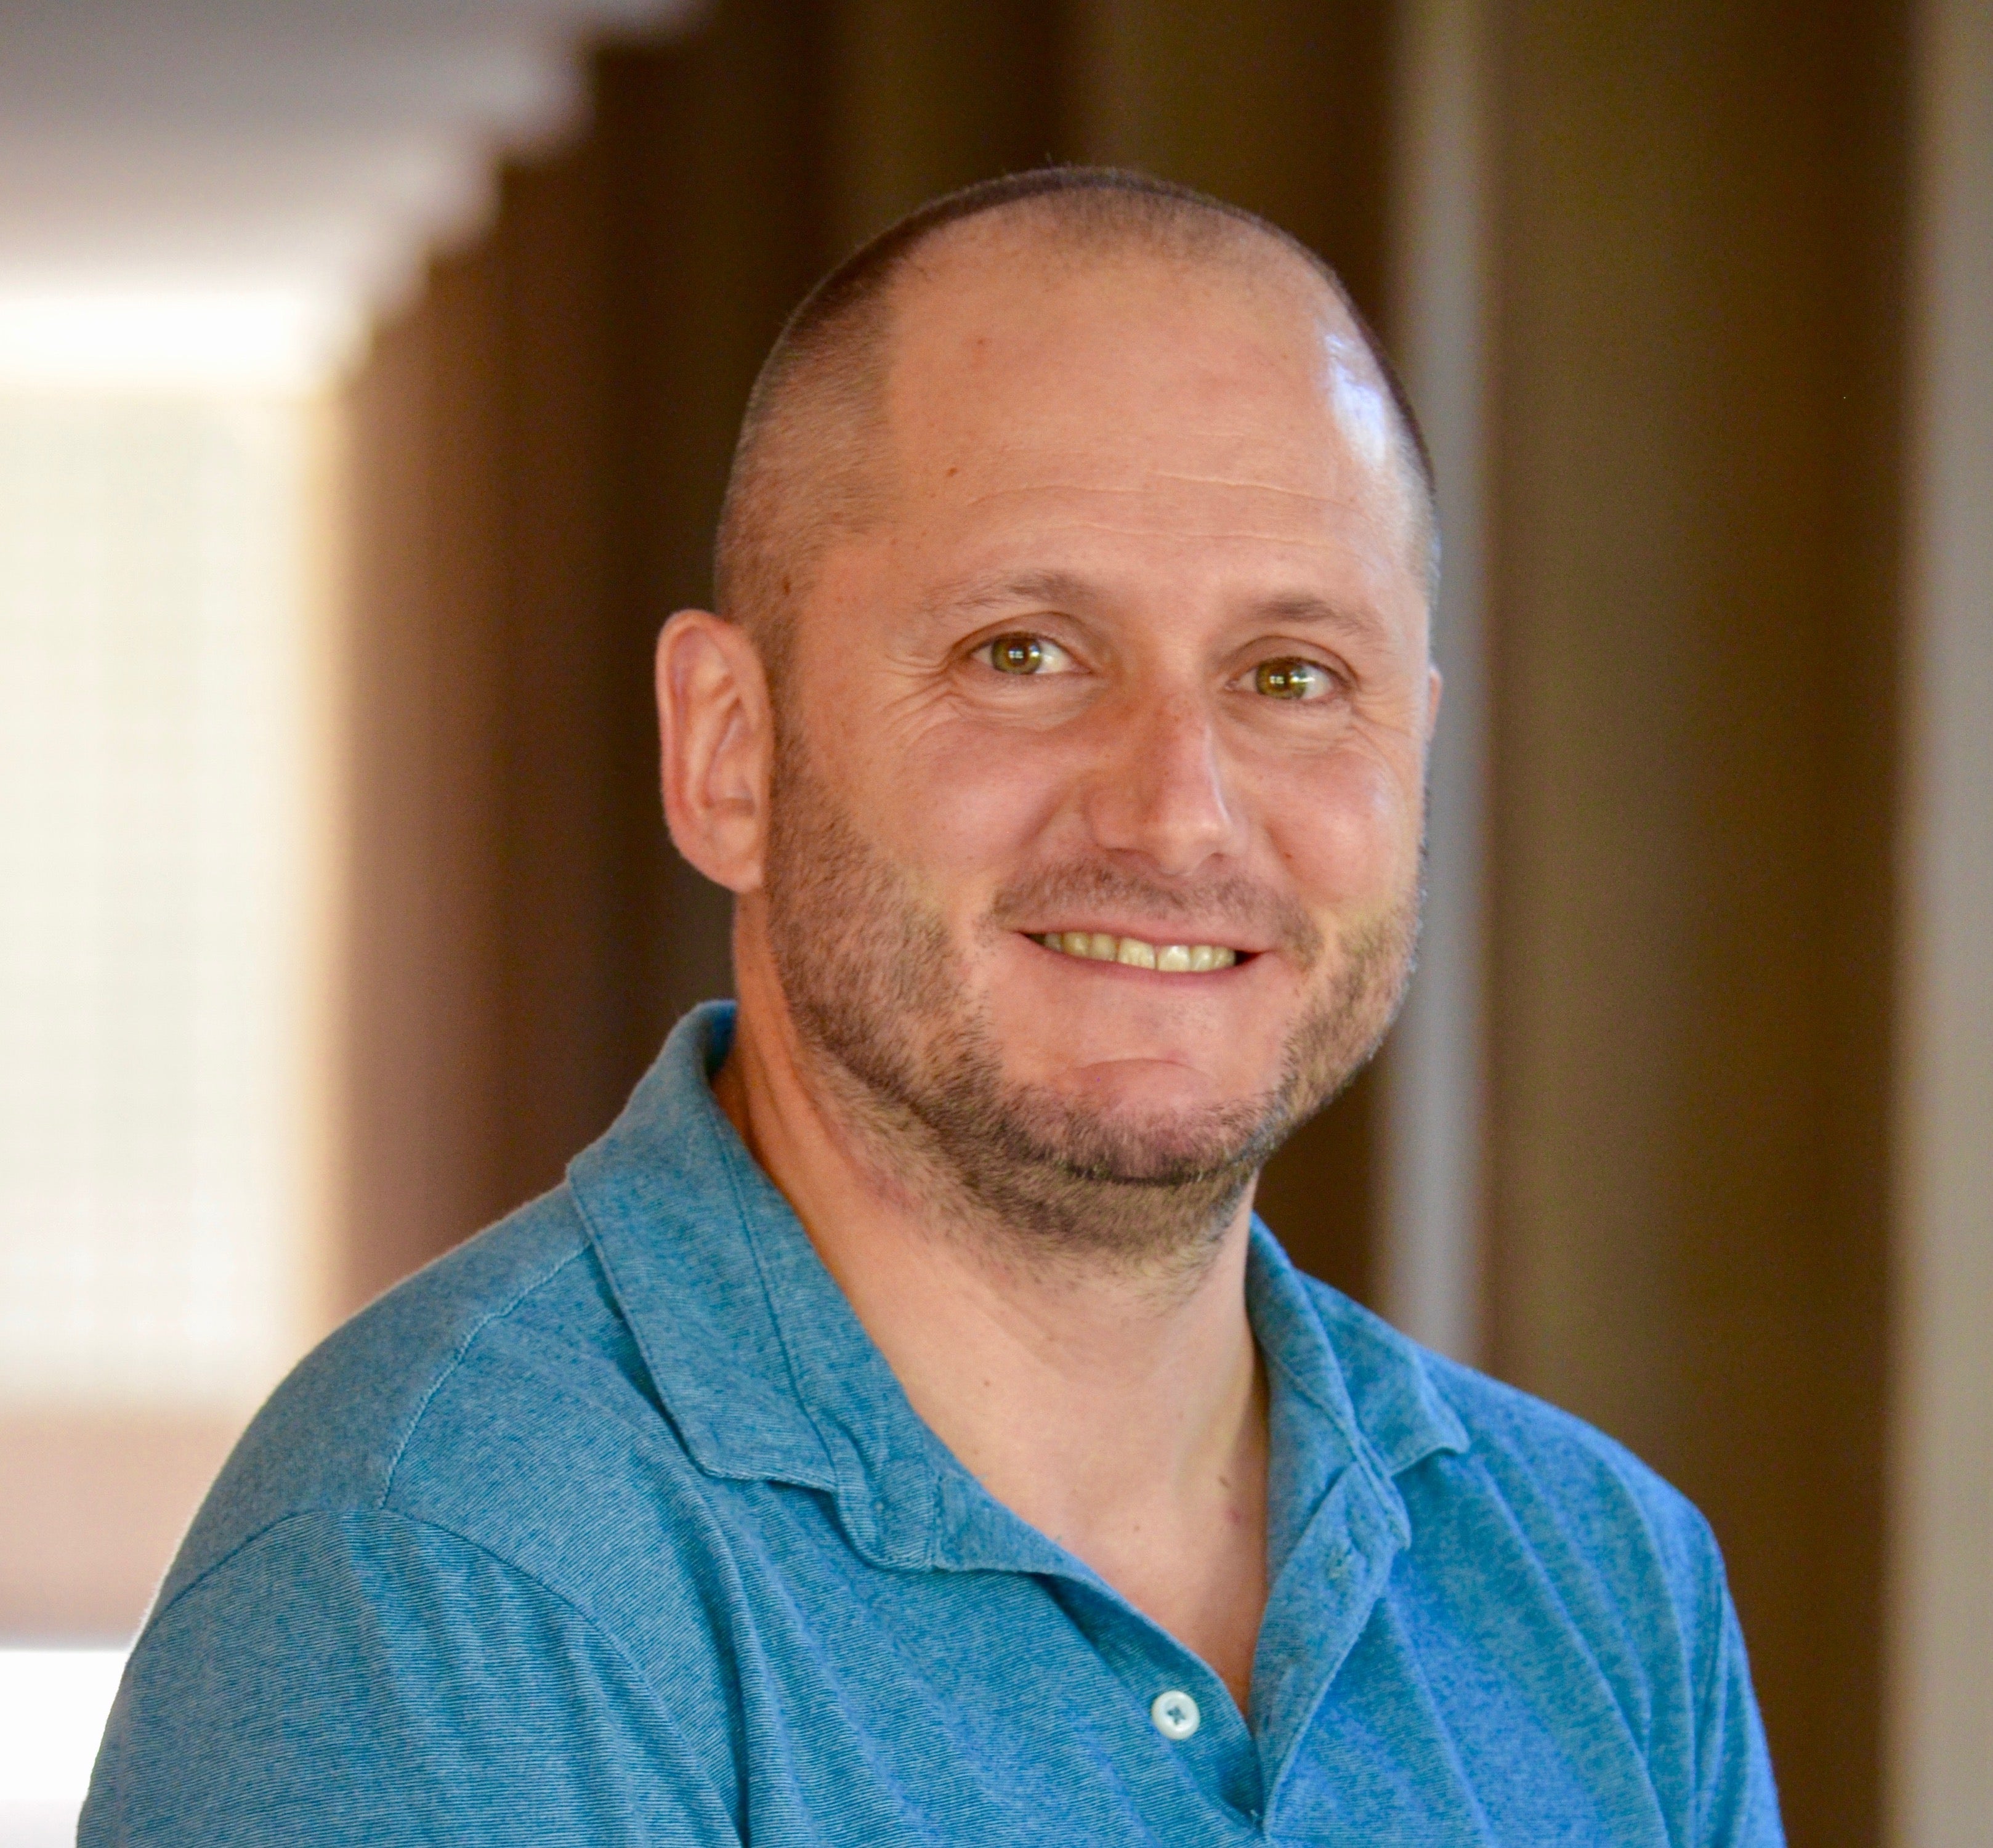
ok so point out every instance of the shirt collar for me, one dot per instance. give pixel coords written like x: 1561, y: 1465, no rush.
x: 764, y: 1368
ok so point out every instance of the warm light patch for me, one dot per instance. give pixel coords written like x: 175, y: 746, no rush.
x: 58, y: 337
x: 153, y: 798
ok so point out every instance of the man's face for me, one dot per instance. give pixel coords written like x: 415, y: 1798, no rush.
x: 1133, y: 671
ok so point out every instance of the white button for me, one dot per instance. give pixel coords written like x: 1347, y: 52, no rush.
x: 1175, y: 1714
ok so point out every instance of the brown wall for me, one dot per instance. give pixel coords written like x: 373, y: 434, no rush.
x: 1695, y: 337
x: 1694, y: 630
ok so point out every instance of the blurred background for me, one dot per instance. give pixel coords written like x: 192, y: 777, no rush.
x: 367, y: 376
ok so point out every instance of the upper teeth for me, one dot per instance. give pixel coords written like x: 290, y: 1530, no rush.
x: 1139, y: 954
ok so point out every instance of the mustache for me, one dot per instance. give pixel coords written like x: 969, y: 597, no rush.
x: 1231, y: 899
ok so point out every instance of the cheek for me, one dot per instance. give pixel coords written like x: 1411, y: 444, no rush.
x: 957, y: 807
x: 1347, y: 835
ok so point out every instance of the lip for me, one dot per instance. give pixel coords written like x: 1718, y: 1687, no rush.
x: 1118, y: 971
x: 1176, y: 932
x: 1179, y: 982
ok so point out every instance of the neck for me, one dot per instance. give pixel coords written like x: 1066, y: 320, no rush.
x: 1122, y: 1414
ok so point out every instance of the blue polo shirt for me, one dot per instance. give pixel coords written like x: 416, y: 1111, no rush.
x: 614, y: 1527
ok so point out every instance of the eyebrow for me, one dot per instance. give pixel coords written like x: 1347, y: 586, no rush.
x: 970, y: 597
x: 1311, y: 611
x: 1065, y: 590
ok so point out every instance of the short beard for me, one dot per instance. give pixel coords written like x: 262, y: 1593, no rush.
x: 883, y: 1011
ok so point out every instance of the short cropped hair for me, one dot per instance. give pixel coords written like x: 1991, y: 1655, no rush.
x: 806, y: 467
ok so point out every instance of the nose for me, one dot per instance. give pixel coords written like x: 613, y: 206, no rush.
x: 1159, y: 791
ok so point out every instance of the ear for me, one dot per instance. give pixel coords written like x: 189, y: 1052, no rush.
x: 1433, y: 685
x: 716, y: 746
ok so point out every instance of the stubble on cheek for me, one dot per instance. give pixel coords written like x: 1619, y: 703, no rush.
x: 886, y: 1009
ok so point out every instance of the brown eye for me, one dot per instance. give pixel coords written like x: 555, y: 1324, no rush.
x: 1291, y: 679
x: 1016, y: 653
x: 1026, y: 656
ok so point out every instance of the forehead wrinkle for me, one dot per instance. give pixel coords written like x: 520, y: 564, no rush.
x: 1299, y: 493
x: 1159, y: 475
x: 1177, y: 533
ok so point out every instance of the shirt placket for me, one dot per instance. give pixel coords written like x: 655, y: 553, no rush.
x: 1177, y: 1706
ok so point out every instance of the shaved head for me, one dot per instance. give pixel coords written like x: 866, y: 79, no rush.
x: 813, y: 463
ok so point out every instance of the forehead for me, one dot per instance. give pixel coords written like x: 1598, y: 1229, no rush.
x: 1211, y: 394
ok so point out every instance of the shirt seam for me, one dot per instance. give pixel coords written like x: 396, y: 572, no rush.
x: 334, y: 1512
x: 515, y: 1568
x: 156, y: 1617
x: 450, y: 1367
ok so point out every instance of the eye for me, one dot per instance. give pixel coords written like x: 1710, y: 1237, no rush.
x: 1025, y: 654
x: 1291, y: 678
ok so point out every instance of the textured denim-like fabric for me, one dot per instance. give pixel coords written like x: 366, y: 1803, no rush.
x: 614, y: 1527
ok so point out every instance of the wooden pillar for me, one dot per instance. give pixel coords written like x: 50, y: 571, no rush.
x: 423, y: 1041
x: 1694, y: 538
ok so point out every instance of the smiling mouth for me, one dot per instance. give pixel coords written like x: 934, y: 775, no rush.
x: 1138, y: 952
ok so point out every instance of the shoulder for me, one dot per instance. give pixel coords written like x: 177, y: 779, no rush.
x: 466, y: 1398
x: 354, y: 1676
x: 469, y: 1499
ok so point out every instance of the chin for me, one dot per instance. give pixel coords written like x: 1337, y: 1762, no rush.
x: 1154, y: 1095
x: 1144, y: 1139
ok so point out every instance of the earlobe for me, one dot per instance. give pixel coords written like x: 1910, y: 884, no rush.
x: 713, y: 746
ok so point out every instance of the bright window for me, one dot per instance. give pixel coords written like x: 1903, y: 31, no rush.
x: 155, y: 761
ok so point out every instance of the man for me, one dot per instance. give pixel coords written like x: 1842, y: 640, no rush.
x: 897, y: 1430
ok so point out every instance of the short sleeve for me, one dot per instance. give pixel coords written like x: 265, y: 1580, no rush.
x: 1737, y: 1804
x: 357, y: 1677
